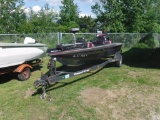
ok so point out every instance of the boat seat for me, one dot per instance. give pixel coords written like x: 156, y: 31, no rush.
x: 81, y: 40
x: 99, y: 41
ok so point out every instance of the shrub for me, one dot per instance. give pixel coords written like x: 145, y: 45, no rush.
x: 141, y: 45
x: 148, y: 40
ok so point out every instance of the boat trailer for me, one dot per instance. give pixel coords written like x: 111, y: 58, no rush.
x: 55, y: 75
x: 23, y: 70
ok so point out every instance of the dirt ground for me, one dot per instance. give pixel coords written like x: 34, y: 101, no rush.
x: 126, y: 102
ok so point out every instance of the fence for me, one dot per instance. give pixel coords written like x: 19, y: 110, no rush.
x: 51, y: 39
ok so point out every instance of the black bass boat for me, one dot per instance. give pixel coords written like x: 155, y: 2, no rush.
x: 82, y: 52
x: 78, y: 54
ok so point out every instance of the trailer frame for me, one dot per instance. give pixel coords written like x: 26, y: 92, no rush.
x: 54, y: 75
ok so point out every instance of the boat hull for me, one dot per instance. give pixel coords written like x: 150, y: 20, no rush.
x: 12, y: 54
x: 83, y: 55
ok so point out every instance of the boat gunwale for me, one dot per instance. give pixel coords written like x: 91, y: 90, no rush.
x: 84, y: 49
x: 8, y: 45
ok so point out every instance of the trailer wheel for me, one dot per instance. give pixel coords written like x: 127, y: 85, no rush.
x: 25, y: 74
x: 119, y: 62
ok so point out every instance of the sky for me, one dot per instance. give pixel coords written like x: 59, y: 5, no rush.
x: 83, y: 5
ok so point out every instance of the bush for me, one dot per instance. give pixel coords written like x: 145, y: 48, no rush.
x: 141, y: 45
x: 148, y: 40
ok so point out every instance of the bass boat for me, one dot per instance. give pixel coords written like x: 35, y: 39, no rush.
x: 82, y: 52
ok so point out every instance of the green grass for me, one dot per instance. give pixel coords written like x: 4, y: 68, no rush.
x: 129, y: 92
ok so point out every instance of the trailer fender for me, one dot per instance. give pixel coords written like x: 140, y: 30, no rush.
x: 20, y: 68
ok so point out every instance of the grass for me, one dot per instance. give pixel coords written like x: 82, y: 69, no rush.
x: 129, y: 92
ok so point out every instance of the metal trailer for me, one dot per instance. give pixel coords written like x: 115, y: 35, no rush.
x: 55, y: 75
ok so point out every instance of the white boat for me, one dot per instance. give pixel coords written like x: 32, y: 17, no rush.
x: 12, y: 54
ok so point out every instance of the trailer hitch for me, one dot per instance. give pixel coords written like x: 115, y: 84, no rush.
x: 42, y: 81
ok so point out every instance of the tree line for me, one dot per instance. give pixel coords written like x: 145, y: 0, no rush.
x: 111, y: 15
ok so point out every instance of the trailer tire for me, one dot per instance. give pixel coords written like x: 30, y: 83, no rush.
x: 25, y: 74
x: 119, y: 62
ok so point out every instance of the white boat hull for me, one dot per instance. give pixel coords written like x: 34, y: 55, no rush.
x: 15, y: 54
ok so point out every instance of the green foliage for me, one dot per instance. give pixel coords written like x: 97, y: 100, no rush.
x: 68, y: 12
x: 12, y: 16
x: 111, y: 15
x: 61, y: 28
x: 154, y: 27
x: 140, y: 45
x: 15, y: 20
x: 148, y: 40
x: 87, y: 24
x: 42, y: 21
x: 128, y: 16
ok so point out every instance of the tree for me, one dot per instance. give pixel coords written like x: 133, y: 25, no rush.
x: 153, y: 17
x: 69, y: 14
x: 87, y: 24
x: 139, y: 15
x: 12, y: 15
x: 127, y: 16
x: 42, y: 21
x: 109, y: 15
x: 48, y: 16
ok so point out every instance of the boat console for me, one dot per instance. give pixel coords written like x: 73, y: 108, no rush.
x: 80, y: 43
